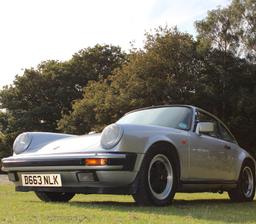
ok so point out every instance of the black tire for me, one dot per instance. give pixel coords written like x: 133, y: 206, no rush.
x: 54, y: 196
x: 151, y: 192
x: 245, y: 190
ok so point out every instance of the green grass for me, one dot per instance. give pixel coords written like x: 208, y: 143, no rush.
x: 25, y: 208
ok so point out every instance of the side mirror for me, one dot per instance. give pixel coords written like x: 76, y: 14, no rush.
x: 92, y: 132
x: 204, y: 127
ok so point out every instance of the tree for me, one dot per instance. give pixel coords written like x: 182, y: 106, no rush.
x: 161, y: 73
x: 217, y: 31
x: 237, y: 96
x: 244, y: 12
x: 39, y: 97
x: 172, y: 68
x: 232, y: 29
x: 6, y: 137
x: 227, y: 38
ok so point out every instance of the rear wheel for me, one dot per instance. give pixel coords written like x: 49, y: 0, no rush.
x: 54, y: 196
x: 245, y: 190
x: 158, y: 179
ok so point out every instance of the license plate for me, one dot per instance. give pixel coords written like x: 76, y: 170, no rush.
x: 41, y: 180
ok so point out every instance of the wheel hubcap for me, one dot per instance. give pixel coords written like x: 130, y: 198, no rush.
x: 160, y: 176
x: 247, y: 182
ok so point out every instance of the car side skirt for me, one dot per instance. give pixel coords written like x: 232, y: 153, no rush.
x: 206, y: 186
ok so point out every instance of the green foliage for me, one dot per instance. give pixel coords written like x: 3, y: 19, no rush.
x: 217, y: 30
x: 228, y: 91
x: 84, y: 111
x: 172, y: 68
x: 5, y: 145
x: 229, y: 81
x: 244, y: 13
x: 161, y: 73
x: 6, y: 139
x: 231, y: 29
x: 40, y: 97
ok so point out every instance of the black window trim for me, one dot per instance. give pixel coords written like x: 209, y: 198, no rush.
x: 211, y: 116
x: 229, y: 132
x: 218, y: 126
x: 166, y: 106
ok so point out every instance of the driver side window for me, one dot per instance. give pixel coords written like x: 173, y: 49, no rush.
x: 226, y: 135
x: 203, y: 117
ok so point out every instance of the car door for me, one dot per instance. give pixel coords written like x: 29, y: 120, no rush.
x: 208, y: 158
x: 231, y: 151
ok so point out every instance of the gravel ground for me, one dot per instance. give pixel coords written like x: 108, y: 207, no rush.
x: 4, y: 179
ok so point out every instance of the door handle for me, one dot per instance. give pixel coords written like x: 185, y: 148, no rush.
x: 227, y: 147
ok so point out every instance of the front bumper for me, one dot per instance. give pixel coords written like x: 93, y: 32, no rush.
x: 116, y: 177
x: 68, y: 161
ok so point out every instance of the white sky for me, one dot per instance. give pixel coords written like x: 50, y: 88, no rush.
x: 32, y: 31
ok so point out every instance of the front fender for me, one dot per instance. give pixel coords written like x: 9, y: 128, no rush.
x: 158, y: 138
x: 40, y: 139
x: 139, y: 139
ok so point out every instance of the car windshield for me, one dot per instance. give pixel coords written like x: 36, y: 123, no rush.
x: 173, y: 117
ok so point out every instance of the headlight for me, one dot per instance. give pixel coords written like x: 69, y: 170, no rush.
x: 111, y: 135
x: 22, y: 142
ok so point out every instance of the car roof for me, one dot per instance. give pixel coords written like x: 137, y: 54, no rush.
x: 194, y: 108
x: 161, y: 106
x: 174, y: 105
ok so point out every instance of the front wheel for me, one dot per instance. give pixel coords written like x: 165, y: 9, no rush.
x: 245, y: 190
x: 157, y: 183
x: 54, y: 196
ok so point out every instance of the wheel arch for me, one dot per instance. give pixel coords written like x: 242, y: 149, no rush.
x: 249, y: 161
x: 173, y: 149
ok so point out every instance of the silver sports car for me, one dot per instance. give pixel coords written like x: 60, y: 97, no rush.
x: 150, y: 153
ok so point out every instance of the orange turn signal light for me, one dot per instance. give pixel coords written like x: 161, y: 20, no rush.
x: 96, y: 162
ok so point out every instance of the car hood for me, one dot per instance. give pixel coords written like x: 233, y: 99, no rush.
x: 73, y: 144
x: 91, y: 142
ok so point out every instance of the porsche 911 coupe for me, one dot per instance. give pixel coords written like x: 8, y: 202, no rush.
x: 149, y: 153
